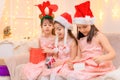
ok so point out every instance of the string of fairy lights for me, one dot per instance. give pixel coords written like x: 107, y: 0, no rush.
x: 25, y: 17
x: 19, y: 15
x: 22, y: 16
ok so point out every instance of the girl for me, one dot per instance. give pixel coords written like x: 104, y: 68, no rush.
x: 46, y: 41
x: 32, y: 71
x: 95, y: 52
x: 66, y: 45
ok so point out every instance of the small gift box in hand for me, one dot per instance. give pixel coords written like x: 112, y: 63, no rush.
x: 49, y: 61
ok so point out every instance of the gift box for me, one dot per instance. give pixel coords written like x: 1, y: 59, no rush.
x: 49, y: 61
x: 37, y: 55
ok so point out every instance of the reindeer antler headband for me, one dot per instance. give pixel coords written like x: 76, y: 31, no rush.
x: 47, y: 9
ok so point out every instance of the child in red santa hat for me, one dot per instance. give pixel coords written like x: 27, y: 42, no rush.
x: 66, y: 46
x: 95, y: 53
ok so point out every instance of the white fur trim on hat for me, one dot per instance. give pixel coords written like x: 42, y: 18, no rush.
x: 65, y: 36
x: 86, y: 20
x: 64, y: 22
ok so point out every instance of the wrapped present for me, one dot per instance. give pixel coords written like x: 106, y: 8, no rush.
x: 37, y: 55
x: 49, y: 61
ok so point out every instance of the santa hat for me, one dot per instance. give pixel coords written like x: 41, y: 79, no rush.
x: 64, y: 19
x: 83, y: 14
x: 47, y: 9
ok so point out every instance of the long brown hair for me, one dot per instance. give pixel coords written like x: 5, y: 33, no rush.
x: 93, y: 31
x: 72, y: 36
x: 69, y: 32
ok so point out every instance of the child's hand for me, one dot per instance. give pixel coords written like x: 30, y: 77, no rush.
x: 76, y: 59
x: 98, y: 59
x: 70, y: 65
x: 55, y: 64
x: 46, y: 50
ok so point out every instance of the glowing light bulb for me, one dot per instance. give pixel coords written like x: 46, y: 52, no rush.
x: 15, y: 23
x: 17, y: 7
x: 17, y: 1
x: 28, y: 12
x: 6, y: 18
x: 6, y: 23
x: 101, y: 15
x: 26, y: 23
x: 27, y: 2
x: 14, y: 28
x: 106, y: 1
x: 28, y: 8
x: 13, y: 17
x: 116, y: 11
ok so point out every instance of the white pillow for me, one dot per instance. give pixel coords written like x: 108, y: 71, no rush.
x: 6, y: 49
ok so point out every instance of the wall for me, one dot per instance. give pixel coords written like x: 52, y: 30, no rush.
x: 22, y: 15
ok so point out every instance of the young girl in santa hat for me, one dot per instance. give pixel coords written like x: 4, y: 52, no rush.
x: 95, y: 53
x: 66, y: 46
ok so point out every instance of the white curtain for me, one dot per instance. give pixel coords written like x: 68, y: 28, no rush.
x: 1, y: 7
